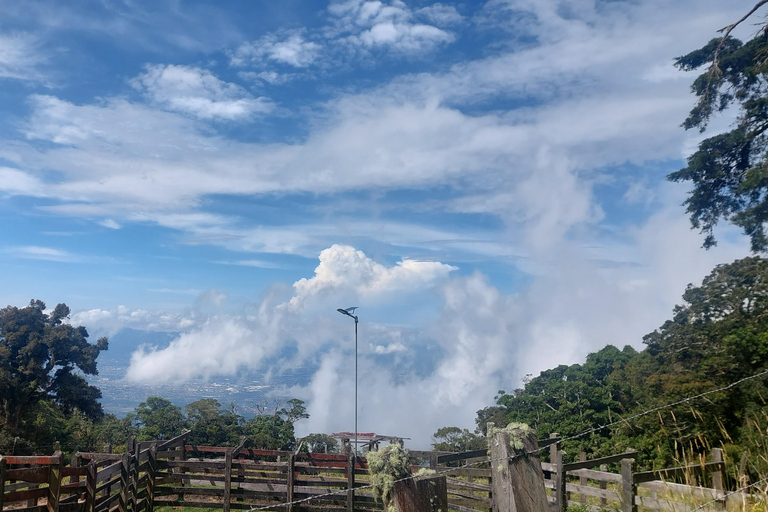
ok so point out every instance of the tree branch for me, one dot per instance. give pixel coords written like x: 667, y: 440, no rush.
x: 730, y: 28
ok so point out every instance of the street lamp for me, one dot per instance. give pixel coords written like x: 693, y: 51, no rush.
x: 350, y: 313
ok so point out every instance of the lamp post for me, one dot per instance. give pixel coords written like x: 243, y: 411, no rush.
x: 350, y: 313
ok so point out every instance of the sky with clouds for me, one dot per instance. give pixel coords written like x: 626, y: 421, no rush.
x: 486, y: 180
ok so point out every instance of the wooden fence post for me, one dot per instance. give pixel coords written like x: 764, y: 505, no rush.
x: 603, y: 485
x: 123, y: 503
x: 290, y: 483
x: 54, y: 483
x: 135, y: 479
x: 583, y: 479
x: 433, y: 493
x: 74, y: 462
x: 90, y: 487
x: 518, y: 482
x: 553, y: 448
x: 717, y: 476
x: 3, y: 468
x: 227, y: 479
x: 561, y: 497
x: 151, y: 475
x: 351, y: 462
x: 628, y: 487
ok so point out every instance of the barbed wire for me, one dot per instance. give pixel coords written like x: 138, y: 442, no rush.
x: 533, y: 452
x: 731, y: 493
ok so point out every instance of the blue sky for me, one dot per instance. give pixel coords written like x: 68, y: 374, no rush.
x: 486, y: 180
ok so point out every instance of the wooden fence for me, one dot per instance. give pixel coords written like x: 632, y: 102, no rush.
x: 578, y: 483
x: 172, y: 473
x: 587, y: 482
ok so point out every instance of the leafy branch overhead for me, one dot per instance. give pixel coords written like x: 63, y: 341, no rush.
x: 729, y: 171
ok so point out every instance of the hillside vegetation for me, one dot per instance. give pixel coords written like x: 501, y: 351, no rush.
x: 717, y: 336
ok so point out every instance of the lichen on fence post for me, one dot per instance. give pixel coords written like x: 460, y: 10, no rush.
x: 517, y: 479
x: 390, y: 475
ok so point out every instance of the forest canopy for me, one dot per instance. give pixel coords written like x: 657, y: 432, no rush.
x: 717, y: 336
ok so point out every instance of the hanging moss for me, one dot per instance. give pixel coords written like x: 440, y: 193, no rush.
x: 386, y: 466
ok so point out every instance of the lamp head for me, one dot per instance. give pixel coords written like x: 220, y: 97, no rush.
x: 349, y: 312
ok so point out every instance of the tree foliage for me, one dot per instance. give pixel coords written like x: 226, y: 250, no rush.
x: 716, y: 336
x: 455, y: 439
x: 44, y: 359
x: 729, y: 171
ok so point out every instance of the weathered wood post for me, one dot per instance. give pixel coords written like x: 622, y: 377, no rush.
x: 74, y: 462
x: 518, y: 482
x: 123, y: 502
x: 151, y: 476
x: 54, y: 482
x: 554, y: 449
x: 392, y: 481
x: 290, y: 483
x: 351, y: 462
x: 3, y: 469
x: 561, y: 496
x: 603, y: 485
x: 227, y: 479
x: 583, y: 479
x: 628, y: 487
x: 717, y: 476
x: 90, y: 487
x: 433, y: 493
x: 134, y: 479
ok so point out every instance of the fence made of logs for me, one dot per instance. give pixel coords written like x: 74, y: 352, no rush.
x: 173, y: 473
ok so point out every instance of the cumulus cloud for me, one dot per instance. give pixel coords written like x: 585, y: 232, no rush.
x: 291, y: 50
x: 390, y: 25
x: 231, y: 342
x: 197, y: 92
x: 343, y: 267
x: 218, y: 347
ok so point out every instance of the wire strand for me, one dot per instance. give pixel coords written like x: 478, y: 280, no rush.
x: 533, y: 452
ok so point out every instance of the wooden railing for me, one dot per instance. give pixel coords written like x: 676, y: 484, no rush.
x: 173, y: 473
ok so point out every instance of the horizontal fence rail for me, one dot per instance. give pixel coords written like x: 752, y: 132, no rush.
x: 174, y: 473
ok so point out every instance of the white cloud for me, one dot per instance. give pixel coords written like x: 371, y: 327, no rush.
x: 292, y: 50
x: 110, y: 223
x: 35, y: 252
x: 343, y: 267
x: 231, y: 342
x: 20, y: 57
x: 440, y: 14
x: 109, y: 321
x: 390, y: 348
x: 372, y: 24
x: 16, y: 182
x: 270, y: 77
x: 198, y: 92
x: 218, y: 347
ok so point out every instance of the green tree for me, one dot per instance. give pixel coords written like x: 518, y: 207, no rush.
x: 455, y: 439
x: 294, y: 412
x: 211, y: 425
x: 270, y: 432
x: 158, y: 418
x: 729, y: 171
x: 321, y: 443
x: 43, y: 358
